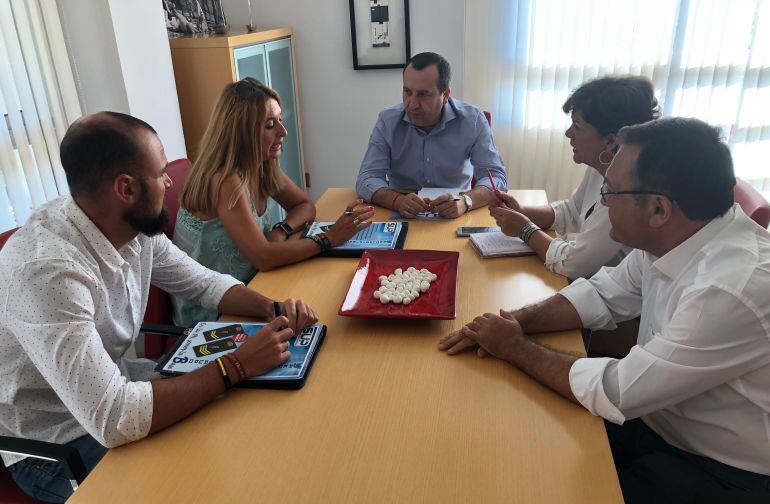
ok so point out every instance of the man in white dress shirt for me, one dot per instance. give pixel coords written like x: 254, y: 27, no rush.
x: 74, y: 283
x: 690, y: 405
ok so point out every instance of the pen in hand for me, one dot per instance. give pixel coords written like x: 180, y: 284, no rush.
x: 494, y: 189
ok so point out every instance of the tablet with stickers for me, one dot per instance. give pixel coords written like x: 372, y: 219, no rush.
x: 208, y: 340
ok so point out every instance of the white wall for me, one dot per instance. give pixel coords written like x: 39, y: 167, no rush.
x: 122, y: 62
x: 338, y: 104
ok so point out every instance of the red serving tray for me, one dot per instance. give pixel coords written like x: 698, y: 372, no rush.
x: 437, y: 303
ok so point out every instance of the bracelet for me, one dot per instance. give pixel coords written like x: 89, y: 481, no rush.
x: 223, y: 372
x: 315, y: 239
x: 530, y: 231
x: 327, y: 244
x: 393, y: 203
x: 527, y: 231
x: 232, y: 359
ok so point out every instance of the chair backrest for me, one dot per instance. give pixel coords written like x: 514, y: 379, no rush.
x: 5, y: 235
x: 178, y: 171
x: 752, y: 203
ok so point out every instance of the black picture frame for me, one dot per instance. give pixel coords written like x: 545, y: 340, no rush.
x: 375, y: 48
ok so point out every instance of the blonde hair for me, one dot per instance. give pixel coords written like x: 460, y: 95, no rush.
x: 232, y: 144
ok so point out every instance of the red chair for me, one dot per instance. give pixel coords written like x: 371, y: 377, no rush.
x: 752, y: 203
x: 5, y: 235
x: 158, y: 311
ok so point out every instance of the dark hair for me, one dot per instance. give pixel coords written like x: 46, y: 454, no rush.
x: 425, y: 59
x: 685, y: 159
x: 609, y: 103
x: 98, y: 148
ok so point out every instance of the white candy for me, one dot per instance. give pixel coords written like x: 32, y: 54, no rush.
x: 404, y: 285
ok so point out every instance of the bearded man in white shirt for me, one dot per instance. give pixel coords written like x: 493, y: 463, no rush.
x: 688, y: 409
x: 74, y: 283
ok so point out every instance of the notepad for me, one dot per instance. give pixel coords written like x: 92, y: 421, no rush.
x: 498, y: 245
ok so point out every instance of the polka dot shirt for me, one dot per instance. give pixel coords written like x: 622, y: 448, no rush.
x: 70, y: 307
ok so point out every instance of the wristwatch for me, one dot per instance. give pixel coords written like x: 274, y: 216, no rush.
x: 284, y: 226
x: 468, y: 202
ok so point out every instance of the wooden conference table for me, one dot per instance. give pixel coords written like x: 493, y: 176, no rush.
x: 384, y: 416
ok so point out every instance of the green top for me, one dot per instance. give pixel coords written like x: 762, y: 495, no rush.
x: 208, y: 243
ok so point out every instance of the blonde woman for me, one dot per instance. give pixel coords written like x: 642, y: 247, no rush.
x: 223, y: 218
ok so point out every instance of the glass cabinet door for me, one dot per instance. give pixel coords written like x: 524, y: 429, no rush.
x: 250, y: 62
x: 281, y: 78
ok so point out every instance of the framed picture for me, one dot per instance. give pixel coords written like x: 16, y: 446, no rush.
x: 379, y: 30
x: 187, y: 17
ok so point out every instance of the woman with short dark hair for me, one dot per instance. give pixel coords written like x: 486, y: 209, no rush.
x: 599, y: 109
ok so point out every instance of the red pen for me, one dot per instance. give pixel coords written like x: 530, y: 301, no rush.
x: 491, y: 181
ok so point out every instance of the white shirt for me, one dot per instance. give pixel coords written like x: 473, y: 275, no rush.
x: 70, y: 307
x: 699, y: 375
x: 584, y: 244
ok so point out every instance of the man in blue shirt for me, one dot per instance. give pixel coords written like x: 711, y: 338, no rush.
x: 430, y: 140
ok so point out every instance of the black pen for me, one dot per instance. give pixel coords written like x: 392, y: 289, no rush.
x: 277, y: 308
x: 348, y: 212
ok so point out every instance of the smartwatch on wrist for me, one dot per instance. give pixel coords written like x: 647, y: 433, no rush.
x: 468, y: 202
x: 285, y: 227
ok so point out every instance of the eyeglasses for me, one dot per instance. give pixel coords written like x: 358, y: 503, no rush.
x: 604, y: 191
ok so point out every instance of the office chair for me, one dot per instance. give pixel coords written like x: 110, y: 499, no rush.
x: 752, y: 203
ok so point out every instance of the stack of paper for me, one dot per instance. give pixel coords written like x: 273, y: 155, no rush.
x: 498, y: 245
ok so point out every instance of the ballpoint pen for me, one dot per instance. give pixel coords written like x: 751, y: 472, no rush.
x: 494, y: 189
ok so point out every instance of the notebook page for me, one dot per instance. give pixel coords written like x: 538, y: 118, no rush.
x: 498, y: 243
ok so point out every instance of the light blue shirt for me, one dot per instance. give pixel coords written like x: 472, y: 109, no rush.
x: 457, y: 150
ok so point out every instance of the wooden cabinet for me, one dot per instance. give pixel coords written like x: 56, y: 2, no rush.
x: 204, y: 64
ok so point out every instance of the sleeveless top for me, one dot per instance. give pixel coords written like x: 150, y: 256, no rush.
x: 208, y: 243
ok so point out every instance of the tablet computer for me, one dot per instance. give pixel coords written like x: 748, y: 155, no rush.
x: 206, y: 341
x: 379, y: 236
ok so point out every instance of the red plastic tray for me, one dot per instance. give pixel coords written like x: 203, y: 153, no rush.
x: 437, y: 303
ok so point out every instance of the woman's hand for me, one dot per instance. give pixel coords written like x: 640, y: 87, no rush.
x: 509, y: 201
x: 348, y: 225
x: 510, y: 221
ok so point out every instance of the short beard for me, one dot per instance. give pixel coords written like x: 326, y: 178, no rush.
x: 150, y: 226
x: 139, y: 220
